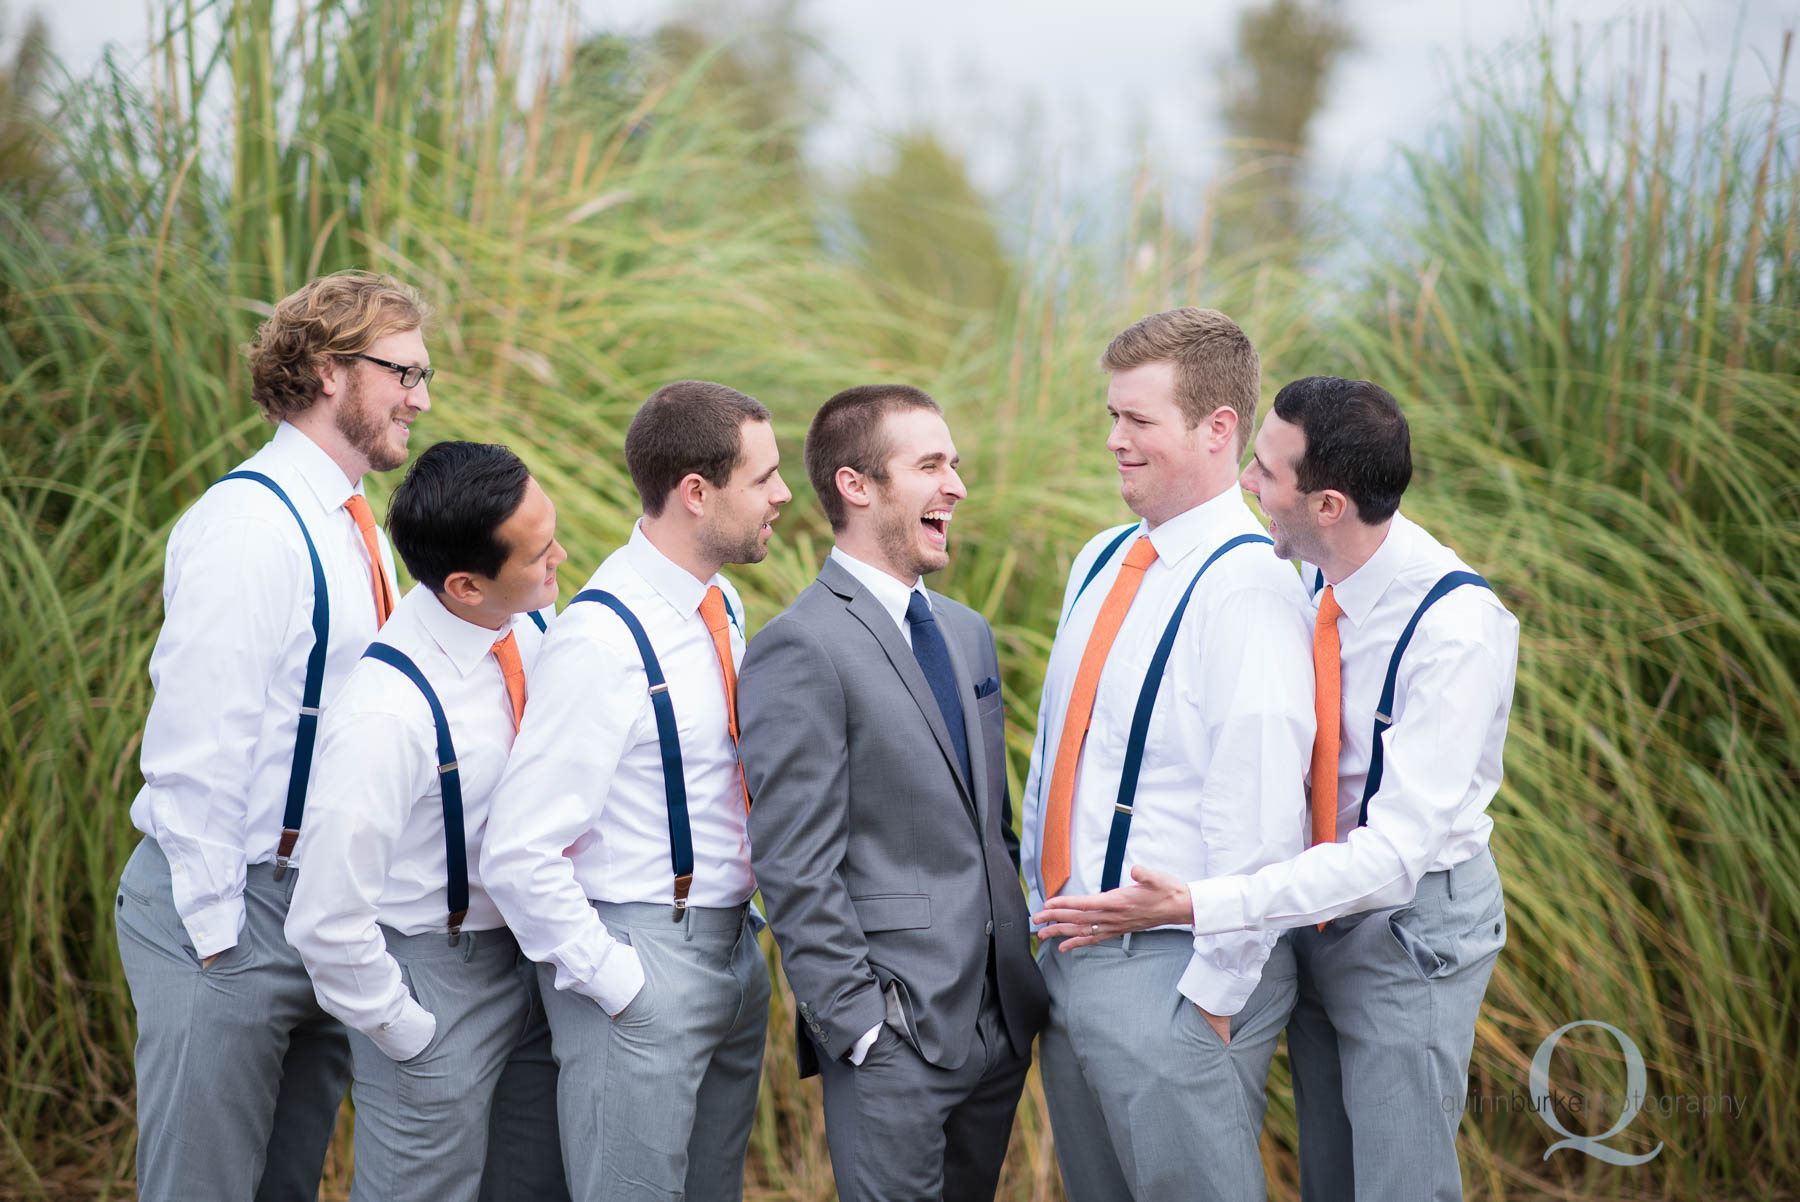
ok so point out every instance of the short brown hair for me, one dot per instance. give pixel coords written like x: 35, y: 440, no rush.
x: 846, y: 432
x: 1215, y: 364
x: 685, y: 427
x: 334, y: 316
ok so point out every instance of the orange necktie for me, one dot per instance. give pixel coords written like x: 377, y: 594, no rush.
x: 384, y: 591
x: 506, y: 650
x: 1328, y: 714
x: 712, y: 609
x: 1055, y: 858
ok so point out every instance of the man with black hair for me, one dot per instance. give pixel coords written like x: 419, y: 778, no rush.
x: 618, y: 849
x: 453, y: 1079
x: 1396, y: 907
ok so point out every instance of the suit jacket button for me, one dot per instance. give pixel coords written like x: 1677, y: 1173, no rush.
x: 990, y: 927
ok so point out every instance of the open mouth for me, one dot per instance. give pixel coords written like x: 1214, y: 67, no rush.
x: 937, y: 526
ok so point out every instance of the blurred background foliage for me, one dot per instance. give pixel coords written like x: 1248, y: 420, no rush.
x: 1584, y: 289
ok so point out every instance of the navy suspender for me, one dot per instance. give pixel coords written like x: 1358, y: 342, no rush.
x: 308, y: 728
x: 1140, y: 719
x: 537, y: 620
x: 456, y: 849
x: 681, y: 840
x: 1384, y: 713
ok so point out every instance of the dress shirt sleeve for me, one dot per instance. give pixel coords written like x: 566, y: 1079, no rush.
x: 234, y: 587
x: 1256, y: 706
x: 372, y: 768
x: 553, y: 791
x: 795, y: 725
x: 1454, y: 689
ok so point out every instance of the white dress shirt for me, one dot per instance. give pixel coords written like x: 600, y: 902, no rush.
x: 229, y: 667
x: 1440, y: 759
x: 1222, y: 787
x: 374, y: 833
x: 581, y: 811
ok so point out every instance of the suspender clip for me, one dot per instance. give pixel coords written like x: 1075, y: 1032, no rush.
x: 1122, y: 808
x: 446, y: 769
x: 1384, y: 719
x: 683, y: 883
x: 285, y: 849
x: 663, y: 687
x: 456, y: 921
x: 309, y: 711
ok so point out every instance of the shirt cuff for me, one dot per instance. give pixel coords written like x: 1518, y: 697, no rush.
x: 1213, y: 990
x: 214, y: 929
x: 405, y: 1037
x: 863, y: 1045
x: 616, y: 981
x: 1218, y: 905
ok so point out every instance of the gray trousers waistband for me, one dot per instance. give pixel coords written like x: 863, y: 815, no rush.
x: 693, y: 920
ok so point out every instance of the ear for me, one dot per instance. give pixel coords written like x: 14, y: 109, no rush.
x: 333, y: 376
x: 690, y: 494
x: 1221, y: 429
x: 853, y: 487
x: 462, y: 588
x: 1333, y: 505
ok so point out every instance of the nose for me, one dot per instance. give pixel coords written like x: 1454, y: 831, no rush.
x: 1247, y: 481
x: 557, y: 555
x: 954, y: 486
x: 419, y: 397
x: 1115, y: 438
x: 782, y: 493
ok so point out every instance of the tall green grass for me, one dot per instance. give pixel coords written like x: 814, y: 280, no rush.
x: 1586, y: 300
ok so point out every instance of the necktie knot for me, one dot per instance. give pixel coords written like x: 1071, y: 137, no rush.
x: 918, y: 609
x: 712, y: 609
x: 1329, y: 609
x: 1142, y: 553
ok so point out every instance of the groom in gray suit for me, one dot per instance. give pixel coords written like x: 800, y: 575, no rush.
x: 880, y: 825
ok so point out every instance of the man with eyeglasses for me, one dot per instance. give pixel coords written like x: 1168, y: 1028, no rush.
x: 275, y: 581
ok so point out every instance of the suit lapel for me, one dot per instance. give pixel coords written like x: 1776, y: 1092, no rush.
x: 965, y: 691
x: 866, y: 609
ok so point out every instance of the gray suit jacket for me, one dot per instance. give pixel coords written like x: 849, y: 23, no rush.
x: 878, y: 863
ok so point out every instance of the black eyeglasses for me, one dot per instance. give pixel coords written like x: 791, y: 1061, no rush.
x: 410, y: 374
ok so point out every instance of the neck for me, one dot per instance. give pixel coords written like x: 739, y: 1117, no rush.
x: 1212, y: 483
x: 863, y: 547
x: 677, y: 539
x: 473, y: 614
x: 1352, y: 548
x: 317, y: 425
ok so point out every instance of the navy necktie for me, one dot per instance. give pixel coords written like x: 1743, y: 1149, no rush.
x: 934, y: 658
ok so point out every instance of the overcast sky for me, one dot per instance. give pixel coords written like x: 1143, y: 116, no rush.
x: 1100, y: 76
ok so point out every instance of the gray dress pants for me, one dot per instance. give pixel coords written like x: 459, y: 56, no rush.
x: 657, y: 1102
x: 1380, y: 1039
x: 1146, y: 1101
x: 239, y: 1072
x: 473, y: 1115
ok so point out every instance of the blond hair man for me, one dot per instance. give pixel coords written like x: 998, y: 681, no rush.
x: 275, y: 581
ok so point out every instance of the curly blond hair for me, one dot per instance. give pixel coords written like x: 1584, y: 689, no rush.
x: 334, y: 316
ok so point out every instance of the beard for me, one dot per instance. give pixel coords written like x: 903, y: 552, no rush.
x: 897, y: 534
x: 366, y: 429
x: 734, y: 546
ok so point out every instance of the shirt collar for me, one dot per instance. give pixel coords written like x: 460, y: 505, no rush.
x: 1205, y: 525
x: 1358, y: 592
x: 668, y: 579
x: 320, y: 471
x: 463, y: 642
x: 893, y: 595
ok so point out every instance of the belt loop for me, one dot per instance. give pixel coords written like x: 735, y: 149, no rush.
x: 1450, y: 882
x: 1125, y: 942
x: 687, y: 925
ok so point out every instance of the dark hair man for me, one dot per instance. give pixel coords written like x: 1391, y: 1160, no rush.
x: 882, y: 830
x: 617, y: 848
x: 403, y: 944
x: 1396, y: 906
x: 275, y: 581
x: 1174, y: 728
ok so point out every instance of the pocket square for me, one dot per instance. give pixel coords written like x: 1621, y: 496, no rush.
x: 987, y: 688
